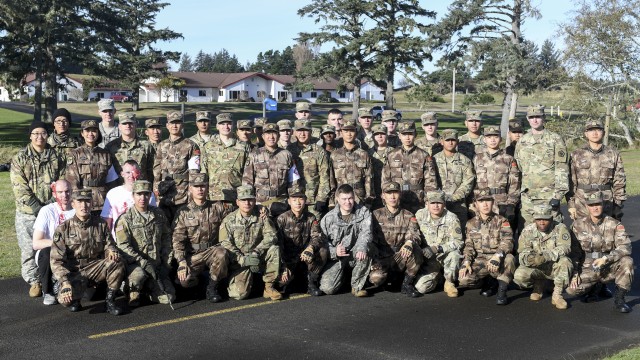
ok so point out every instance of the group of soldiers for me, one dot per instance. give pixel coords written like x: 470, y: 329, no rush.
x: 286, y: 202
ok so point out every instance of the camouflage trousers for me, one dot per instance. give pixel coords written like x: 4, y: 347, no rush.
x: 479, y: 271
x: 558, y: 271
x: 527, y: 206
x: 433, y: 269
x: 620, y: 271
x: 334, y: 272
x: 384, y: 265
x: 139, y: 279
x: 113, y: 272
x: 215, y: 258
x: 24, y: 232
x: 289, y: 267
x: 241, y: 277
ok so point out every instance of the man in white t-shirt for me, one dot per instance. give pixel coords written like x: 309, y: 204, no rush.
x: 49, y: 217
x: 120, y: 198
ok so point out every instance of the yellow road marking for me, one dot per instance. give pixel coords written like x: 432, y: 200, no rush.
x: 192, y: 317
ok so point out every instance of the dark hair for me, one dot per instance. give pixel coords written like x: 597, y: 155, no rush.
x: 335, y: 111
x: 344, y: 189
x: 132, y: 163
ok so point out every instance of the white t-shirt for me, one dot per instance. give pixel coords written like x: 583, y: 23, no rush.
x: 50, y: 217
x: 117, y: 202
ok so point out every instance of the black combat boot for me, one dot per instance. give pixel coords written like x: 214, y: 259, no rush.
x: 110, y: 303
x: 593, y: 294
x: 312, y: 287
x: 501, y: 299
x: 619, y: 302
x: 604, y: 292
x: 212, y: 292
x: 489, y: 287
x: 75, y: 306
x: 408, y: 288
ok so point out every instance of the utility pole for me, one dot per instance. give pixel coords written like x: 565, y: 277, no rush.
x: 453, y: 92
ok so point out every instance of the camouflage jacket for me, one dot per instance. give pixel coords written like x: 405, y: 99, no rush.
x: 431, y: 146
x: 171, y: 170
x: 498, y: 172
x: 63, y: 144
x: 413, y: 169
x: 268, y: 172
x: 485, y: 238
x: 455, y: 175
x: 445, y: 231
x: 139, y: 150
x: 224, y: 164
x: 242, y: 236
x: 393, y: 141
x: 554, y: 245
x: 378, y: 159
x: 591, y: 241
x: 295, y: 234
x: 87, y: 167
x: 469, y: 146
x: 313, y: 165
x: 200, y: 141
x: 144, y: 237
x: 366, y: 139
x: 353, y: 167
x: 31, y: 176
x: 542, y: 160
x: 603, y: 167
x: 196, y: 228
x: 392, y: 230
x: 107, y: 138
x: 355, y: 234
x: 76, y: 242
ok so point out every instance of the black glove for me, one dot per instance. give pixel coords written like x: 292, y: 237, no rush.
x: 617, y: 212
x: 508, y: 211
x: 321, y: 206
x: 427, y: 252
x: 555, y: 204
x: 35, y: 205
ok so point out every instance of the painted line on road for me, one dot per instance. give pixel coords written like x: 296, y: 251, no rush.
x: 192, y: 317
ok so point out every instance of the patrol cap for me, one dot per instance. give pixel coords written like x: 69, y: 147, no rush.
x: 223, y: 117
x: 429, y: 118
x: 515, y: 125
x: 173, y: 116
x: 483, y: 194
x: 106, y: 104
x: 81, y: 194
x: 595, y: 198
x: 365, y: 112
x: 407, y: 127
x: 389, y: 115
x: 326, y: 129
x: 259, y: 122
x: 270, y: 127
x: 535, y: 110
x: 89, y: 124
x: 491, y: 130
x: 196, y: 179
x: 284, y: 125
x: 302, y: 125
x: 127, y: 118
x: 593, y: 124
x: 473, y: 115
x: 246, y: 192
x: 542, y: 212
x: 140, y: 186
x: 244, y: 124
x: 436, y: 196
x: 391, y: 186
x: 449, y: 134
x: 203, y: 115
x: 150, y: 123
x: 296, y: 191
x: 349, y: 125
x: 303, y: 106
x: 379, y: 129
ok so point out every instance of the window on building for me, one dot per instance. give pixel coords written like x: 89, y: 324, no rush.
x: 100, y: 95
x: 183, y: 93
x: 234, y: 95
x: 282, y: 95
x: 220, y: 93
x: 381, y: 92
x: 202, y: 92
x: 298, y: 94
x: 314, y: 94
x: 342, y: 94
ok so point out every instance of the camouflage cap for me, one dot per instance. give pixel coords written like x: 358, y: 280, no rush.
x: 483, y: 194
x: 259, y: 122
x: 81, y: 194
x: 246, y: 192
x: 436, y: 196
x: 542, y: 212
x: 203, y: 115
x: 595, y: 198
x: 173, y: 116
x: 127, y: 118
x: 141, y: 186
x: 349, y: 124
x: 491, y: 130
x: 593, y: 124
x: 515, y: 125
x: 303, y: 106
x: 473, y: 115
x: 244, y: 124
x: 391, y: 186
x: 150, y: 123
x: 296, y: 191
x: 379, y: 129
x: 106, y: 104
x: 89, y: 124
x: 302, y: 125
x: 223, y: 117
x: 328, y: 129
x: 389, y: 115
x: 270, y: 127
x: 535, y: 110
x: 449, y: 134
x: 365, y: 112
x: 407, y: 127
x: 284, y: 125
x: 429, y: 118
x: 197, y: 179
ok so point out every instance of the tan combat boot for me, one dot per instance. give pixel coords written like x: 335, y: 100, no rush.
x: 35, y: 290
x: 359, y: 293
x: 134, y: 298
x: 538, y: 289
x: 271, y: 293
x: 557, y: 299
x: 450, y: 289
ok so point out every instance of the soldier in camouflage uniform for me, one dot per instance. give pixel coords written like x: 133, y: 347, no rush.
x: 602, y: 254
x: 82, y: 251
x: 431, y: 141
x: 129, y: 147
x: 109, y: 130
x: 328, y: 135
x: 441, y: 243
x: 244, y: 133
x: 302, y: 242
x: 313, y: 165
x: 487, y: 250
x: 88, y: 166
x: 271, y: 171
x: 143, y: 235
x: 378, y: 153
x: 33, y: 170
x: 285, y: 133
x: 542, y: 158
x: 516, y: 130
x: 389, y: 118
x: 153, y: 132
x: 365, y: 134
x: 352, y: 165
x: 252, y: 243
x: 61, y: 139
x: 196, y: 243
x: 175, y: 159
x: 348, y: 231
x: 543, y: 249
x: 203, y: 136
x: 335, y: 118
x: 303, y: 110
x: 471, y: 142
x: 455, y: 175
x: 396, y: 237
x: 596, y: 167
x: 258, y: 125
x: 412, y: 168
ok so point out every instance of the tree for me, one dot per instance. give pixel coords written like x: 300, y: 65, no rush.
x: 275, y: 62
x: 203, y: 62
x: 303, y: 52
x: 185, y: 63
x: 551, y: 73
x: 224, y: 62
x: 168, y: 86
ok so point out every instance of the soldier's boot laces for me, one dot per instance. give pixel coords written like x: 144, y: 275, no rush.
x: 134, y: 297
x: 271, y: 293
x: 212, y: 292
x: 312, y: 287
x: 408, y: 288
x: 538, y: 289
x: 450, y: 289
x: 619, y: 301
x: 110, y: 303
x: 502, y: 299
x: 557, y: 300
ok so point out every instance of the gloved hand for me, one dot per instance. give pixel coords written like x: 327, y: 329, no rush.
x: 617, y: 212
x: 465, y: 270
x: 183, y: 270
x: 165, y: 185
x: 406, y: 249
x: 35, y: 205
x: 253, y: 262
x: 320, y: 206
x: 599, y: 263
x: 535, y: 259
x: 555, y: 204
x: 427, y: 252
x: 573, y: 213
x: 494, y: 263
x: 575, y: 281
x: 66, y: 293
x: 307, y: 254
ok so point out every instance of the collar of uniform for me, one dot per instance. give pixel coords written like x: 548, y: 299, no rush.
x: 600, y: 221
x: 413, y: 147
x: 178, y: 140
x: 193, y: 205
x: 495, y: 154
x: 84, y: 224
x: 251, y: 219
x: 595, y: 151
x: 391, y: 215
x: 489, y: 218
x: 302, y: 217
x: 129, y: 144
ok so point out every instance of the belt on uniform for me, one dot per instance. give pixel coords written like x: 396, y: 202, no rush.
x: 411, y: 187
x: 94, y: 183
x: 179, y: 176
x: 494, y: 191
x: 594, y: 187
x: 201, y: 246
x: 270, y: 193
x: 595, y: 255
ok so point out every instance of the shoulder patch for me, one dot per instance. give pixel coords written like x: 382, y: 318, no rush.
x: 506, y: 224
x: 120, y: 227
x: 413, y: 219
x: 620, y: 227
x: 458, y: 230
x: 565, y: 236
x: 561, y: 153
x: 315, y: 222
x: 514, y: 164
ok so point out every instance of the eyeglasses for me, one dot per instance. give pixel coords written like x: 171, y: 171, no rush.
x: 40, y: 134
x: 60, y: 122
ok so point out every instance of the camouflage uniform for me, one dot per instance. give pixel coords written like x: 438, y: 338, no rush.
x: 63, y: 143
x: 152, y: 123
x: 469, y: 145
x: 295, y: 235
x: 365, y: 139
x: 431, y: 146
x: 354, y: 167
x: 87, y: 168
x: 378, y: 159
x: 139, y: 150
x: 268, y: 172
x: 224, y: 163
x: 515, y: 126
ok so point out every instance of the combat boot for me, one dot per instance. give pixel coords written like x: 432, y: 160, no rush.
x: 110, y: 302
x: 489, y: 287
x: 271, y: 293
x: 538, y: 289
x: 35, y: 290
x: 557, y: 299
x: 212, y: 292
x: 450, y: 289
x: 592, y: 295
x: 408, y: 288
x: 501, y: 299
x: 604, y: 292
x: 359, y: 293
x: 619, y: 302
x: 75, y: 306
x: 134, y: 297
x: 312, y: 287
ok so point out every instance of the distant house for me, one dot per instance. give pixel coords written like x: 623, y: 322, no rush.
x: 72, y: 86
x: 370, y: 91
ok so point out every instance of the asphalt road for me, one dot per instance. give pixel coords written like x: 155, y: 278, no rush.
x: 387, y: 325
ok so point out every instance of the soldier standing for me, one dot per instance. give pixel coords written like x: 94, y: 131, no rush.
x: 129, y: 147
x: 335, y: 119
x: 61, y: 139
x: 516, y: 130
x: 365, y: 134
x: 389, y: 118
x: 472, y: 141
x: 328, y: 135
x: 431, y: 141
x: 153, y: 132
x: 543, y: 248
x: 596, y: 167
x: 378, y: 153
x: 303, y: 110
x: 258, y: 126
x: 203, y: 135
x: 244, y: 131
x: 109, y: 130
x: 285, y: 133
